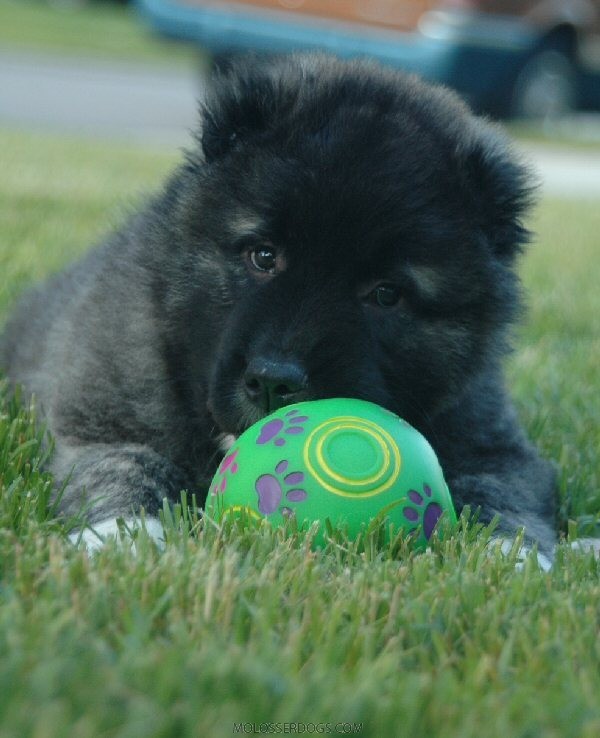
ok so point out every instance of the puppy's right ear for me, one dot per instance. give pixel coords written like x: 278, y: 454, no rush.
x: 216, y: 139
x: 243, y: 102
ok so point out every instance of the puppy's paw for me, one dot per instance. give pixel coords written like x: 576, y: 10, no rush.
x: 521, y: 554
x: 587, y: 545
x: 121, y: 529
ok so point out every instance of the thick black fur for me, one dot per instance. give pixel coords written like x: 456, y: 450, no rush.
x: 353, y: 176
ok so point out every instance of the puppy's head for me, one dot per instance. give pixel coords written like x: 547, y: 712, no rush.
x: 365, y: 225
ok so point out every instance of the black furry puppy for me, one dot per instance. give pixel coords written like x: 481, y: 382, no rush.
x: 341, y: 230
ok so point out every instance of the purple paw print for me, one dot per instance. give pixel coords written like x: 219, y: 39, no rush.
x: 425, y: 512
x: 228, y: 466
x: 272, y: 490
x: 272, y: 430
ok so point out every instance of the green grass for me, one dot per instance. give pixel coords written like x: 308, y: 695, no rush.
x: 225, y: 627
x: 57, y: 196
x: 554, y: 372
x: 102, y: 29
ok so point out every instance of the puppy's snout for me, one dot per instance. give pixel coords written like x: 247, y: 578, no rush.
x: 271, y: 383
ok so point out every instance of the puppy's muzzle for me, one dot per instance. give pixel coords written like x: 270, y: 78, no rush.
x: 271, y: 383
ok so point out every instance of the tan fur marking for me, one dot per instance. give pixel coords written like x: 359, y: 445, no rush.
x: 427, y: 280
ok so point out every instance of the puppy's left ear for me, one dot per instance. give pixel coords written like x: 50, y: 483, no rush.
x: 501, y: 189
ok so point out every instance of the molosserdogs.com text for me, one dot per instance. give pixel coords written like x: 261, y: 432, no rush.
x: 297, y: 728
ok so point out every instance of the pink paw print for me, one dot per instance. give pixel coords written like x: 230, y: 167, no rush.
x: 229, y: 466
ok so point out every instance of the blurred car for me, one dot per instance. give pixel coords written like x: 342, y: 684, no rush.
x: 519, y: 58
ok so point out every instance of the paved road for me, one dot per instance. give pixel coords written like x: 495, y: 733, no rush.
x: 158, y: 106
x: 90, y: 97
x: 565, y: 172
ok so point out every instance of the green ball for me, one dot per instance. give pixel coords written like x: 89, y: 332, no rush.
x: 348, y: 461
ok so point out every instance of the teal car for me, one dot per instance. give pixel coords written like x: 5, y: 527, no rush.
x: 524, y: 59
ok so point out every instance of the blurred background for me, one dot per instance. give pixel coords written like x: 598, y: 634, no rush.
x: 134, y: 70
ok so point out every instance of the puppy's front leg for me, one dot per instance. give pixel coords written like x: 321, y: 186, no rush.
x: 522, y: 499
x: 106, y: 482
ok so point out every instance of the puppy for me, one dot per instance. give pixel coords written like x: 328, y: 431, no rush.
x: 340, y: 230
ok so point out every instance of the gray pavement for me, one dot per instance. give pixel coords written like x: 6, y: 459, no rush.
x: 158, y: 106
x: 565, y: 172
x: 100, y: 98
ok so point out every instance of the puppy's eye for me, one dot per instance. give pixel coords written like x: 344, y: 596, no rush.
x: 263, y: 259
x: 385, y: 295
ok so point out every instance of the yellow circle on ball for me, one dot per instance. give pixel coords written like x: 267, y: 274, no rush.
x: 246, y: 509
x: 388, y: 447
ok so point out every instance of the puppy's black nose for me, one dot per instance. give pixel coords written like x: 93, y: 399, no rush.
x: 272, y: 383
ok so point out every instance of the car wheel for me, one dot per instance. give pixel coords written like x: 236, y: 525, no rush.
x: 545, y: 87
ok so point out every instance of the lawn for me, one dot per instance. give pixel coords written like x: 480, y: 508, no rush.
x: 224, y: 627
x: 98, y: 29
